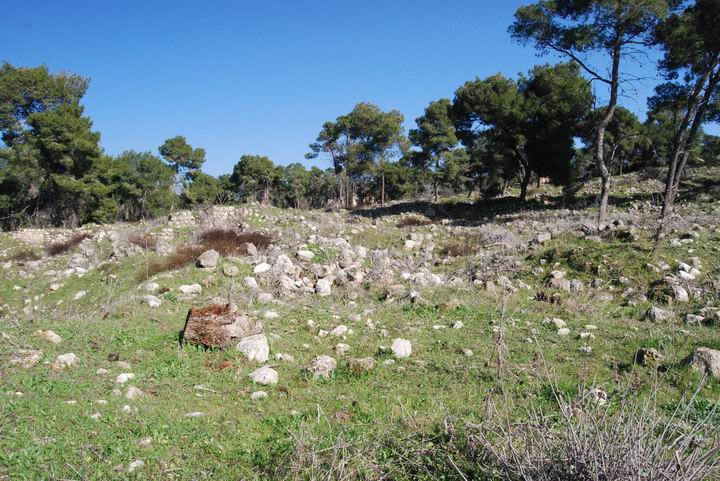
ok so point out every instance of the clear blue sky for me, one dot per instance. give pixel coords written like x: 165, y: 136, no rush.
x: 260, y: 77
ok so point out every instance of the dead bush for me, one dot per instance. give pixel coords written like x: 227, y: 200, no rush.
x: 180, y: 258
x: 485, y: 236
x: 146, y: 241
x: 66, y: 246
x: 627, y: 440
x: 228, y: 242
x: 464, y: 247
x: 413, y: 220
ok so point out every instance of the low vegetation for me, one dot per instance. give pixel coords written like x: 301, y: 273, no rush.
x: 62, y: 247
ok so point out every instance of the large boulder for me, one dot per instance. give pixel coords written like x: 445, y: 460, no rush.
x: 706, y: 361
x: 208, y: 259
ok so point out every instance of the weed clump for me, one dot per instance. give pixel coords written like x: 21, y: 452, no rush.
x: 62, y: 247
x: 229, y: 242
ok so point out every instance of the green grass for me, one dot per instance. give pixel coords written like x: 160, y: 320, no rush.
x: 390, y: 409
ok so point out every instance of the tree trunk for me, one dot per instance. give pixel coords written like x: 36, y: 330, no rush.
x: 604, y: 195
x: 435, y: 189
x: 524, y: 182
x: 382, y: 189
x: 600, y: 147
x: 684, y: 138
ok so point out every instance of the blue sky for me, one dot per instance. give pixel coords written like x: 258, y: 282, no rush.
x: 242, y: 77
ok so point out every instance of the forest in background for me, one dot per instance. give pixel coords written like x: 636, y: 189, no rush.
x: 493, y: 134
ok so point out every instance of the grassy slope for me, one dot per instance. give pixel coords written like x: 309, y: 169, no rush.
x: 42, y: 437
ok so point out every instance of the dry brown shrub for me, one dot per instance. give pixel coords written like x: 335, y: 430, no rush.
x: 65, y: 246
x: 229, y: 242
x: 413, y: 220
x: 180, y: 258
x: 146, y: 241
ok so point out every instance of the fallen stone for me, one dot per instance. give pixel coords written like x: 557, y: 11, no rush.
x: 707, y: 361
x: 191, y: 289
x: 255, y: 348
x: 262, y: 268
x: 323, y: 367
x: 152, y: 301
x: 258, y: 395
x: 133, y: 392
x: 656, y: 314
x: 208, y: 259
x: 265, y: 376
x: 231, y: 270
x: 25, y: 358
x: 64, y: 361
x: 401, y: 348
x: 323, y: 287
x: 50, y: 336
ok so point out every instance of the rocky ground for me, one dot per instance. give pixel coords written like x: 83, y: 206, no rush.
x: 352, y: 339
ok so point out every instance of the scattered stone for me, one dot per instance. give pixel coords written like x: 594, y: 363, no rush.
x: 305, y: 255
x: 341, y: 349
x: 339, y: 331
x: 208, y: 259
x: 230, y: 270
x: 258, y: 395
x: 361, y: 365
x: 265, y: 376
x: 468, y: 353
x: 191, y: 289
x: 323, y: 287
x: 80, y: 295
x: 598, y: 396
x: 194, y: 414
x: 152, y: 301
x: 133, y: 392
x: 124, y: 377
x: 64, y: 361
x: 50, y: 336
x: 323, y: 367
x: 563, y: 331
x: 656, y: 314
x: 543, y: 237
x: 707, y: 361
x: 648, y: 356
x: 262, y: 268
x: 138, y: 463
x: 250, y: 283
x: 217, y: 326
x: 401, y: 348
x: 255, y: 348
x: 25, y: 358
x: 458, y: 325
